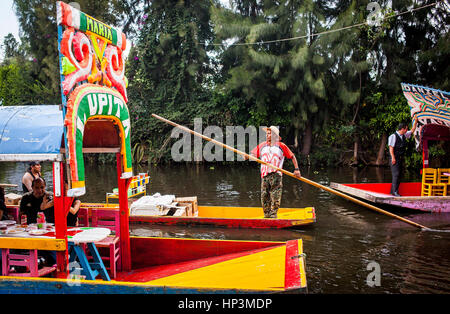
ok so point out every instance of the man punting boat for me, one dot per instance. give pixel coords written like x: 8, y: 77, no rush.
x: 431, y: 110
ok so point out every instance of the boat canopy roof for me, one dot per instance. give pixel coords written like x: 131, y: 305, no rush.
x: 435, y: 132
x: 31, y: 133
x: 431, y: 107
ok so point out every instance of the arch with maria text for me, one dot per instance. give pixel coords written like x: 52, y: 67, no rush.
x: 90, y: 102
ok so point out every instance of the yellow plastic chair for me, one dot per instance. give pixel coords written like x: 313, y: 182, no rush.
x: 428, y: 178
x: 439, y: 189
x: 430, y: 186
x: 443, y: 177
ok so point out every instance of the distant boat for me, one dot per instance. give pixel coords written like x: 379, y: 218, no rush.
x: 379, y: 193
x: 432, y: 109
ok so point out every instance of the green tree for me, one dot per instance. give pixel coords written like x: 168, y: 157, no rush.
x: 37, y: 21
x: 10, y: 47
x: 410, y: 48
x: 348, y: 70
x: 15, y: 85
x: 279, y: 65
x: 169, y: 69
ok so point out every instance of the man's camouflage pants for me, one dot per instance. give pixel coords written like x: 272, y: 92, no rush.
x: 271, y: 190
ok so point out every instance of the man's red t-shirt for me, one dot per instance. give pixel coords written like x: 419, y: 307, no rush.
x: 273, y: 155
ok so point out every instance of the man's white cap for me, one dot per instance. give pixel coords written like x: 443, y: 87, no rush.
x: 274, y: 129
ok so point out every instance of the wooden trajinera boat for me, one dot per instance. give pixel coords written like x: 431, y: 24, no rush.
x: 185, y: 211
x: 190, y: 214
x: 432, y: 194
x: 94, y: 118
x: 236, y: 217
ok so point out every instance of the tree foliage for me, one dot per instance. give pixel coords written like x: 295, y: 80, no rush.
x: 332, y: 87
x: 169, y: 69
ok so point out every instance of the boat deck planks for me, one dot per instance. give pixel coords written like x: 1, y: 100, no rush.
x: 380, y: 193
x: 230, y: 271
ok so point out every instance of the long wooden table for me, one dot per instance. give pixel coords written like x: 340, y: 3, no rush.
x: 77, y: 237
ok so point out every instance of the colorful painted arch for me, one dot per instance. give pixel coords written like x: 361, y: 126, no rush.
x: 88, y: 102
x: 430, y: 106
x: 428, y: 103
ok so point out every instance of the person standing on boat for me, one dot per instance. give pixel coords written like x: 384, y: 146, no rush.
x: 273, y: 151
x: 397, y: 146
x: 33, y: 172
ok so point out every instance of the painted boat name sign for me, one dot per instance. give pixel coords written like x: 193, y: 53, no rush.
x: 92, y: 65
x: 98, y: 28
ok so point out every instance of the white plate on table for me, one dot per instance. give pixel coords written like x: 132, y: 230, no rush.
x: 7, y: 222
x: 37, y: 232
x: 15, y: 230
x: 47, y: 224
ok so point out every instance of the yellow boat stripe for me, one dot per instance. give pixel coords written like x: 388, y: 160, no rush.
x: 301, y: 262
x: 253, y: 212
x: 263, y: 271
x: 33, y: 243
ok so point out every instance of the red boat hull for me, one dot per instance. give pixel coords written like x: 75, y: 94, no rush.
x: 222, y: 222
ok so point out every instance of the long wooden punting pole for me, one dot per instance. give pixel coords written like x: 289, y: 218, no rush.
x: 320, y: 186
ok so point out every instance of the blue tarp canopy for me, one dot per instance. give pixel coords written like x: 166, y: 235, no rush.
x: 31, y: 133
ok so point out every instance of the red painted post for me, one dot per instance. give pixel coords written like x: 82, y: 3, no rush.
x: 124, y: 216
x: 425, y: 154
x: 61, y: 208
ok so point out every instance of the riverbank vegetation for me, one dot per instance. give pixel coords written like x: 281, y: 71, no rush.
x: 315, y: 68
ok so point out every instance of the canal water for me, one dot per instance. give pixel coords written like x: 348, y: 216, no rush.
x: 350, y: 249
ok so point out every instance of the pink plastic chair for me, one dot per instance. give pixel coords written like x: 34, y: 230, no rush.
x: 29, y: 260
x: 13, y: 210
x: 83, y: 217
x: 108, y: 218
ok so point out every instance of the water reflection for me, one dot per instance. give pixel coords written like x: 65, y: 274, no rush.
x: 345, y: 239
x: 12, y: 173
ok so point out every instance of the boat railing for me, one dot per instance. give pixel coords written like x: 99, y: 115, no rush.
x: 86, y: 210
